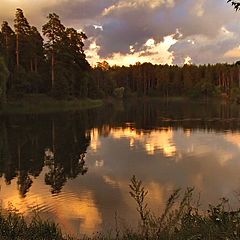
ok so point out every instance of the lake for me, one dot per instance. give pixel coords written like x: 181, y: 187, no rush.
x: 74, y: 168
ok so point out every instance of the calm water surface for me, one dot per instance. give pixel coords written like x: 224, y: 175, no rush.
x: 75, y: 168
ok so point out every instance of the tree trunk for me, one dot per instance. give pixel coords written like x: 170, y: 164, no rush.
x: 17, y: 51
x: 31, y: 65
x: 238, y: 77
x: 35, y: 65
x: 7, y: 44
x: 53, y: 73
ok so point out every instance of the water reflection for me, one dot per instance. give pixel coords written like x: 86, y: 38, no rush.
x: 24, y: 153
x: 56, y: 175
x: 75, y: 168
x: 151, y: 141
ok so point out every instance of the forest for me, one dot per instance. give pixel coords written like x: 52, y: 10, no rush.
x: 53, y: 62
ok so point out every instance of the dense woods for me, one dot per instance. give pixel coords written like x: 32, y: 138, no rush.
x: 164, y: 80
x: 57, y: 66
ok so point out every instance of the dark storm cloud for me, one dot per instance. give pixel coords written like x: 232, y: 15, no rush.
x: 133, y: 22
x: 78, y: 10
x: 125, y: 26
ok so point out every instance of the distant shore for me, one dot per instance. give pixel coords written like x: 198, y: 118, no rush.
x: 41, y: 103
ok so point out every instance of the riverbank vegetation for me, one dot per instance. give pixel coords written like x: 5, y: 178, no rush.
x: 41, y: 103
x: 58, y: 67
x: 182, y: 219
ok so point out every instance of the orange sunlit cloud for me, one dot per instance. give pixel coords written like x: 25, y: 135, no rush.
x: 156, y: 53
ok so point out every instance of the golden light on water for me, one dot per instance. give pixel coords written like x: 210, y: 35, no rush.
x: 188, y: 132
x: 80, y: 208
x: 151, y: 141
x: 83, y: 205
x: 95, y: 143
x: 233, y: 138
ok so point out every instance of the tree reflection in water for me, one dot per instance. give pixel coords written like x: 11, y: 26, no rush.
x: 23, y: 153
x: 24, y: 183
x: 56, y: 177
x: 23, y: 138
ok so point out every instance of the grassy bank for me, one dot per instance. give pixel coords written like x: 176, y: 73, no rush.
x: 40, y: 103
x: 182, y: 219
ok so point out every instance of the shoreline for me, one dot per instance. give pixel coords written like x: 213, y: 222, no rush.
x: 41, y: 103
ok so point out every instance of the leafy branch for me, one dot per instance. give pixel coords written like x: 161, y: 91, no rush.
x: 235, y: 4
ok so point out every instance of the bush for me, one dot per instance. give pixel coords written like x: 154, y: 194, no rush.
x: 182, y: 219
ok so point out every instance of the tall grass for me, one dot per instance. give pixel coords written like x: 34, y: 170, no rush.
x: 14, y: 226
x: 182, y: 219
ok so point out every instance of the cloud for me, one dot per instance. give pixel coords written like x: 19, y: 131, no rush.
x: 33, y: 10
x: 122, y: 27
x: 204, y: 159
x: 199, y: 8
x: 124, y: 5
x: 209, y: 29
x: 156, y: 53
x: 80, y: 12
x: 188, y: 60
x: 202, y: 49
x: 233, y: 53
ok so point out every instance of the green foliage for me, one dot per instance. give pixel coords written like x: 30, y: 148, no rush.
x: 68, y: 62
x: 182, y: 219
x: 13, y: 226
x: 41, y: 103
x: 3, y: 80
x: 19, y: 83
x: 21, y: 24
x: 34, y: 82
x: 203, y: 88
x: 138, y: 193
x: 59, y: 67
x: 81, y: 85
x: 61, y: 89
x: 119, y: 92
x: 7, y: 41
x: 163, y: 81
x: 235, y: 95
x: 23, y: 32
x: 54, y: 30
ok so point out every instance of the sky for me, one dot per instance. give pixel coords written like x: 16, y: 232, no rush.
x: 124, y: 32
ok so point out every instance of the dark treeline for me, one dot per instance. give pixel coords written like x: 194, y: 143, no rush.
x: 58, y: 66
x: 163, y: 80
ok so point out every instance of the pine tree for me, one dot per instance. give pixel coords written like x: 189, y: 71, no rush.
x: 8, y: 50
x: 36, y: 49
x: 54, y: 30
x: 22, y: 30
